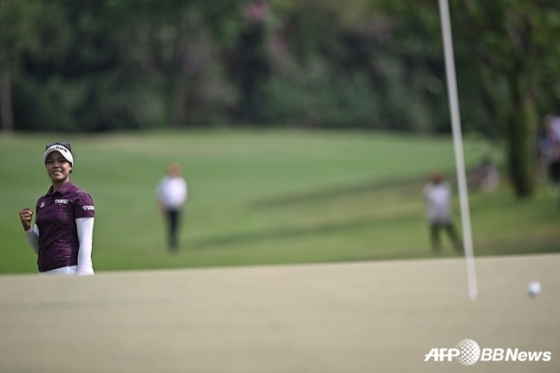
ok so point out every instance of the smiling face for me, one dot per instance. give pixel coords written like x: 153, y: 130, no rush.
x: 58, y: 167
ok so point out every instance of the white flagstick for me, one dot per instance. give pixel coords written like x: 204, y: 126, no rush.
x: 458, y: 145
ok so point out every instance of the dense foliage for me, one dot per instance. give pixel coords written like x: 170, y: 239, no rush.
x: 102, y: 65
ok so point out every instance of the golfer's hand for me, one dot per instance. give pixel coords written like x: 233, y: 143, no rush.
x: 25, y: 216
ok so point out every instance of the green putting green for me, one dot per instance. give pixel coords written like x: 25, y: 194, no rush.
x: 349, y: 317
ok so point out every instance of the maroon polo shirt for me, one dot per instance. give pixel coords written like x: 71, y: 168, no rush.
x: 56, y: 215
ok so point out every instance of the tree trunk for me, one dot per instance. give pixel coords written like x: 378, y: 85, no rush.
x: 5, y: 93
x: 521, y: 134
x: 179, y: 102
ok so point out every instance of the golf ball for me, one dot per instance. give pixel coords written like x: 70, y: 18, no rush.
x: 534, y: 288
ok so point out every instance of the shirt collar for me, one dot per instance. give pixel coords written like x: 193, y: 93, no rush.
x: 63, y: 189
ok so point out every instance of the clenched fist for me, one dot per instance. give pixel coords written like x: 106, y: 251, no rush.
x: 25, y: 216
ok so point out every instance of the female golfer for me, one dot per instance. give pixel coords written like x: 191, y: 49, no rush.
x: 63, y: 230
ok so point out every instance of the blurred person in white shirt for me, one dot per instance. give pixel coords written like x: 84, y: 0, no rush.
x: 171, y: 197
x: 437, y: 199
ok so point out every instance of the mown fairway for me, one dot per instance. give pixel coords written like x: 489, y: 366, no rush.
x: 372, y: 316
x: 266, y: 197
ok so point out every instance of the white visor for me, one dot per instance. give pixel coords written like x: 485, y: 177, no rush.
x: 62, y: 150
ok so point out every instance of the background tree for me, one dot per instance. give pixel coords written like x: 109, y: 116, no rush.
x: 103, y: 65
x: 510, y: 43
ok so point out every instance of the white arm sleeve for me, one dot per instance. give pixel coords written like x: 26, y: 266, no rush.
x: 33, y: 238
x: 85, y: 236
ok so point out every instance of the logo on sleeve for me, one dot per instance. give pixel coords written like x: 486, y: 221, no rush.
x: 88, y: 208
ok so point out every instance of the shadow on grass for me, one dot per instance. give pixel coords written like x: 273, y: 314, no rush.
x: 518, y: 246
x: 292, y: 232
x: 405, y: 185
x: 281, y: 233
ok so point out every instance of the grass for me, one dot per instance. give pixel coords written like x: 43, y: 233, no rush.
x: 320, y: 318
x: 266, y: 197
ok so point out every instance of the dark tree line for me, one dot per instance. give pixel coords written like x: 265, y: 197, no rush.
x: 104, y: 65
